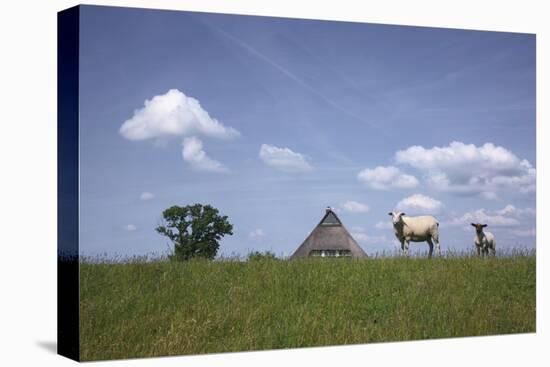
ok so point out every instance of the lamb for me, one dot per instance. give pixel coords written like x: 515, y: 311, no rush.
x: 484, y: 241
x: 416, y: 229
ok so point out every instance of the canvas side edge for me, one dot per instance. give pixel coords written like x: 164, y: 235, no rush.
x: 68, y: 315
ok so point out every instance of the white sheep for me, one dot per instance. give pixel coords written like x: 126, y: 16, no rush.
x: 416, y: 229
x: 484, y: 241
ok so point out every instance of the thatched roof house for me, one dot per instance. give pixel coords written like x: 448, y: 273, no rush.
x: 329, y: 239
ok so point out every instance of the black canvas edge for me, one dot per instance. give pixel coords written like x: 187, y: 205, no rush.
x: 68, y: 315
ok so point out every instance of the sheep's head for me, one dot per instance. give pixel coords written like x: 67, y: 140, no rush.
x: 479, y: 227
x: 397, y: 217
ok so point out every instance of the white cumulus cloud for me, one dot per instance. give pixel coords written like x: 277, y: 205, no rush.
x: 511, y: 210
x: 469, y: 169
x: 146, y: 195
x: 361, y: 236
x: 419, y: 203
x: 510, y: 224
x: 355, y: 207
x: 194, y: 154
x: 130, y: 227
x: 284, y: 159
x: 484, y: 216
x: 257, y: 234
x: 385, y: 178
x: 173, y: 114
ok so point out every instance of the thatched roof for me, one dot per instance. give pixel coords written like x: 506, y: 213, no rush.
x: 329, y: 235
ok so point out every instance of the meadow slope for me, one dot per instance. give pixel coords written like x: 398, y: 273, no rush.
x: 141, y: 309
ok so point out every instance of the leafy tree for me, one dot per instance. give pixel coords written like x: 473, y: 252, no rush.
x: 195, y: 230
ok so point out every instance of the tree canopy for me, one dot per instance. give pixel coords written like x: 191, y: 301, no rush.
x: 195, y: 230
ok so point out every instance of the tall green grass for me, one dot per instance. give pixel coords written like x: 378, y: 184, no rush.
x: 140, y: 309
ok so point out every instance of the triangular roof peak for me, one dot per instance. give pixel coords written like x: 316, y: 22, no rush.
x: 330, y: 218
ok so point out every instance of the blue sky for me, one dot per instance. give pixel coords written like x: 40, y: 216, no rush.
x: 271, y: 120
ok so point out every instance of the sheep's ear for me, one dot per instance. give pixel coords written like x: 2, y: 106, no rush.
x: 484, y: 225
x: 473, y: 224
x: 402, y: 214
x: 390, y: 213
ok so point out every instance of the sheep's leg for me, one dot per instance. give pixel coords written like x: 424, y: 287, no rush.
x: 478, y: 248
x: 431, y: 245
x: 402, y: 247
x: 407, y: 248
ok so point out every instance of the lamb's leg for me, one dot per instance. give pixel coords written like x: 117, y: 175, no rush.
x: 406, y: 247
x: 402, y: 247
x: 478, y: 248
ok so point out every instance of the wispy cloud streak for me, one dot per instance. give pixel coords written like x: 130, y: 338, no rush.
x: 294, y: 77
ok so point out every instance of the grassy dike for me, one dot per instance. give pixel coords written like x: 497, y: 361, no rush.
x: 142, y: 309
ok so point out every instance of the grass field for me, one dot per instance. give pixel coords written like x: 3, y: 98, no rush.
x: 141, y: 309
